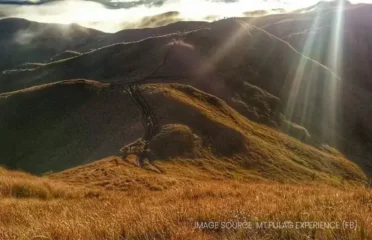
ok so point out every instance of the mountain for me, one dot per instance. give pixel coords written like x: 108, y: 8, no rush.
x: 70, y: 123
x: 25, y: 41
x: 136, y: 34
x: 278, y: 85
x: 316, y: 39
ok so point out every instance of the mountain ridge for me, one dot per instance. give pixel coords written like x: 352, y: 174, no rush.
x: 211, y: 121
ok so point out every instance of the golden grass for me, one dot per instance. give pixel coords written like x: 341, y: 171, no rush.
x: 20, y: 185
x: 112, y: 199
x: 272, y: 154
x: 172, y: 213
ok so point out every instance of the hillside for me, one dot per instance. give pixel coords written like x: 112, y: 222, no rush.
x: 279, y: 87
x: 315, y: 37
x: 63, y: 118
x: 79, y: 121
x: 24, y: 41
x: 223, y: 65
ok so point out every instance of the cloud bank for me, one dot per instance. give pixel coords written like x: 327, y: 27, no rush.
x: 114, y: 15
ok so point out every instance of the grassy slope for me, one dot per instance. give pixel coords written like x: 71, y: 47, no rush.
x: 266, y: 151
x: 64, y: 125
x: 44, y: 208
x: 70, y: 123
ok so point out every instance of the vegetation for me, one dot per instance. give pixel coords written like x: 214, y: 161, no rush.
x: 70, y: 123
x: 232, y: 103
x: 64, y: 125
x: 83, y: 211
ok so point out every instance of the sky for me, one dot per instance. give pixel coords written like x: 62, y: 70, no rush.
x: 114, y: 15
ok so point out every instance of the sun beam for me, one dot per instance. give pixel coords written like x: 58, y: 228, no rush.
x: 334, y: 62
x: 314, y: 97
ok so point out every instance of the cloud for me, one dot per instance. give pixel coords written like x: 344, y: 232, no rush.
x: 114, y: 15
x: 256, y: 13
x: 24, y: 2
x: 157, y: 20
x: 225, y: 1
x: 212, y: 17
x: 117, y: 4
x: 146, y: 22
x: 109, y: 4
x: 259, y: 13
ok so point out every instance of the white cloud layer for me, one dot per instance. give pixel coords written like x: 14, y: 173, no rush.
x: 96, y: 15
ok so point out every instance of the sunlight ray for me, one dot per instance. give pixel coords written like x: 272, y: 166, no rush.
x: 225, y: 49
x: 334, y: 62
x: 297, y: 82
